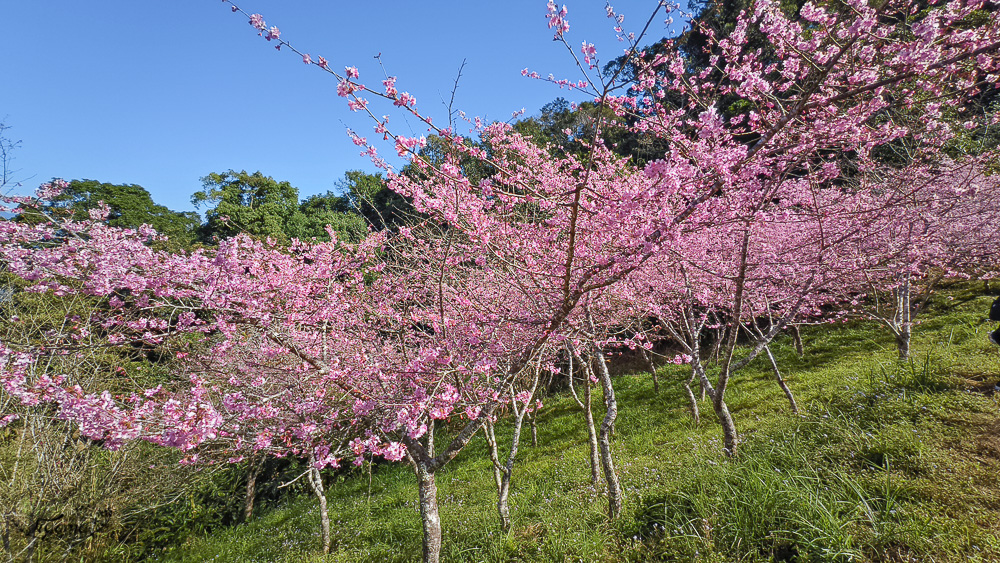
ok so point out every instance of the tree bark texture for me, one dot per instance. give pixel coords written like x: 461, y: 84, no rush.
x: 903, y: 342
x: 534, y: 430
x: 429, y: 512
x: 797, y: 339
x: 256, y: 464
x: 781, y: 380
x: 652, y: 370
x: 316, y: 482
x: 604, y: 439
x: 588, y: 412
x: 904, y: 321
x: 692, y: 401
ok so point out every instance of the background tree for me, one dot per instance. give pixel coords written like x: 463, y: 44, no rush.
x: 7, y: 148
x: 369, y: 195
x: 329, y: 209
x: 130, y: 206
x: 255, y: 204
x: 565, y: 128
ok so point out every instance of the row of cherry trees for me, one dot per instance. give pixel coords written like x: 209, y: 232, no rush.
x: 752, y: 219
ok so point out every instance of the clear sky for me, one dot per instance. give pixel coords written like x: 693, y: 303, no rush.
x: 162, y: 93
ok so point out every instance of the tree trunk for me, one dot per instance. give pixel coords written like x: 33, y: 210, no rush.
x: 501, y: 477
x: 316, y: 482
x: 429, y: 512
x: 797, y: 339
x: 652, y: 370
x: 588, y: 413
x: 585, y: 405
x: 781, y: 381
x: 604, y: 439
x: 534, y: 429
x: 904, y: 318
x: 491, y: 441
x: 5, y: 535
x: 256, y: 465
x: 730, y: 439
x: 713, y: 352
x: 692, y: 401
x: 717, y: 395
x: 729, y: 436
x: 502, y: 473
x: 503, y: 509
x: 903, y: 342
x: 706, y: 385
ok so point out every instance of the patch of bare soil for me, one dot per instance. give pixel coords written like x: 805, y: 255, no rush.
x: 978, y: 382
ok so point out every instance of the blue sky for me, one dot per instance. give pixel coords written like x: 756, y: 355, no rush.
x: 161, y: 94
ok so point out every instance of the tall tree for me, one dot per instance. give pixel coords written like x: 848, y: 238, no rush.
x: 369, y: 195
x: 320, y: 211
x: 255, y: 204
x: 130, y: 206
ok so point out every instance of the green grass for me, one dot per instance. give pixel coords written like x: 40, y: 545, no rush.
x: 888, y: 461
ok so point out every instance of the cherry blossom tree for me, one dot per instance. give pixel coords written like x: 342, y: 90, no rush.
x: 946, y: 225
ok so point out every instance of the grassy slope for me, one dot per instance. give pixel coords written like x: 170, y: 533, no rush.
x: 888, y: 461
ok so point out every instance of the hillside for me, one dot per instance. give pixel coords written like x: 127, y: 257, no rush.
x: 888, y: 461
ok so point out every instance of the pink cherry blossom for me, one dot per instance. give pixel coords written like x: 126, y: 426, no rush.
x: 257, y: 21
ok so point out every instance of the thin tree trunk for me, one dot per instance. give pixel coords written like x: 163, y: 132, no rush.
x: 713, y: 352
x: 503, y: 493
x: 903, y: 342
x: 503, y: 507
x: 588, y: 413
x: 717, y: 395
x: 256, y: 465
x: 5, y: 535
x: 903, y: 314
x: 797, y: 339
x: 429, y: 512
x: 491, y: 440
x: 502, y: 473
x: 652, y: 370
x: 730, y: 438
x: 604, y: 439
x: 534, y: 429
x: 706, y: 385
x: 692, y: 333
x: 692, y: 401
x: 316, y: 482
x: 781, y: 381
